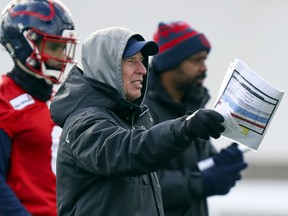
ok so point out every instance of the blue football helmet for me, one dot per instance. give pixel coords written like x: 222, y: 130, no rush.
x: 26, y: 23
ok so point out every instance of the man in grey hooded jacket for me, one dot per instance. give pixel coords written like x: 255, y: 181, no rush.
x: 109, y: 151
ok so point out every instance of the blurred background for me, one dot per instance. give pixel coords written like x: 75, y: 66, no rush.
x: 253, y: 31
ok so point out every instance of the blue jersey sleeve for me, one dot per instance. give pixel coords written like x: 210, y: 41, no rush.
x: 9, y: 203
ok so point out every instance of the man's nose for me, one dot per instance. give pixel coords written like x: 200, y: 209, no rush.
x: 142, y: 69
x: 203, y: 67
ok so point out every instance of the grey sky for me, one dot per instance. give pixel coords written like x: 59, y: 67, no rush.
x: 254, y: 31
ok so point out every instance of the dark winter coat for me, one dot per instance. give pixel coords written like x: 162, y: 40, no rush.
x: 180, y: 179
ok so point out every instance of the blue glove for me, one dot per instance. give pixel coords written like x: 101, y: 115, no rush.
x: 220, y: 178
x: 204, y: 123
x: 229, y: 155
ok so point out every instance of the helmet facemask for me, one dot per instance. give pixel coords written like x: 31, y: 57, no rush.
x: 50, y: 54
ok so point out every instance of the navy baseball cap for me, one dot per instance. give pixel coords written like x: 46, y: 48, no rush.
x: 147, y: 48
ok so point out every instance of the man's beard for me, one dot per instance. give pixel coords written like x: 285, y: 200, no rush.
x: 193, y: 87
x: 192, y: 83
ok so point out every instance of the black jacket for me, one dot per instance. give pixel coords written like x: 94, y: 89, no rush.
x: 180, y: 179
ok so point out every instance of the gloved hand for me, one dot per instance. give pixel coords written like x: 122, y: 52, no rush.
x: 220, y: 178
x: 204, y: 123
x: 230, y: 155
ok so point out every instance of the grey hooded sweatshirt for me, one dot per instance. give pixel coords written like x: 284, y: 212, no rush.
x: 108, y: 151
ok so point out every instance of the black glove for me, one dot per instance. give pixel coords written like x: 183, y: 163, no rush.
x: 204, y: 123
x: 220, y: 178
x: 229, y: 155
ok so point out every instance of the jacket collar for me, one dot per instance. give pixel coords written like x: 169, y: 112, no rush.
x: 190, y: 99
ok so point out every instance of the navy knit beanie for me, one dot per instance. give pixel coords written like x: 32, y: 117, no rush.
x: 177, y: 42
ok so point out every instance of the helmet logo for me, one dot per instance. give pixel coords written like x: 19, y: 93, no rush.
x: 34, y: 13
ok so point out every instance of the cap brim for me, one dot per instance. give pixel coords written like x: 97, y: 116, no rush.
x: 147, y: 48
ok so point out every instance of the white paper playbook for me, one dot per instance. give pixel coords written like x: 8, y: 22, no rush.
x: 248, y: 104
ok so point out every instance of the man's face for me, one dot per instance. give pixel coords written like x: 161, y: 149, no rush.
x: 191, y: 72
x: 133, y: 71
x: 53, y: 53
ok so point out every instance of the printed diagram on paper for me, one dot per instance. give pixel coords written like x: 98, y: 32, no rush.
x: 248, y: 104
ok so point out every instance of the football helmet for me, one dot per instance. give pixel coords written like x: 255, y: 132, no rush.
x: 26, y: 23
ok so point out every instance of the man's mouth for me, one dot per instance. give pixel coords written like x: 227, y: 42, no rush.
x: 137, y: 83
x: 200, y: 79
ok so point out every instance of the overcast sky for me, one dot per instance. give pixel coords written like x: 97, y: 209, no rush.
x: 254, y: 31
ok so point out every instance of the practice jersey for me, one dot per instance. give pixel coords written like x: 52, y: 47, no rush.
x: 35, y: 139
